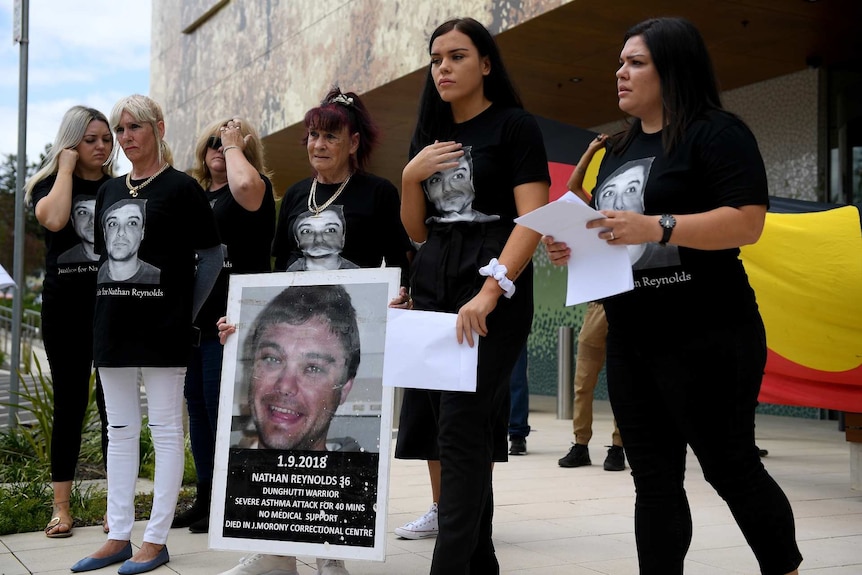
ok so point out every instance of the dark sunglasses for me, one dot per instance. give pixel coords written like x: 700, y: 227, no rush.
x: 214, y: 142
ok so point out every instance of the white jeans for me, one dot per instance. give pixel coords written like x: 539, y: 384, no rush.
x: 164, y: 387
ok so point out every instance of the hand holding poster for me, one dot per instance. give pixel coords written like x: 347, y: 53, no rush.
x: 303, y: 418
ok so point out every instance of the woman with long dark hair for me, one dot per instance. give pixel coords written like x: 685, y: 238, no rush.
x: 477, y: 162
x: 686, y: 348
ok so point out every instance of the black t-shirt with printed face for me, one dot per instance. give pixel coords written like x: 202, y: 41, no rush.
x: 146, y: 271
x: 717, y: 164
x: 503, y: 149
x: 470, y: 208
x: 69, y: 289
x: 372, y: 222
x: 246, y: 240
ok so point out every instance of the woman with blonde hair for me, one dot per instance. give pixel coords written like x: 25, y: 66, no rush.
x: 63, y: 193
x: 158, y: 218
x: 229, y: 165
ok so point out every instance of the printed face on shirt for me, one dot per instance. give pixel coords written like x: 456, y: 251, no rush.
x: 299, y: 378
x: 84, y: 217
x: 320, y: 235
x: 623, y: 190
x: 451, y: 191
x: 124, y: 230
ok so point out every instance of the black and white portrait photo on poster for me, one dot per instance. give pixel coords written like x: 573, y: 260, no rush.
x: 320, y: 236
x: 452, y: 193
x: 83, y: 218
x: 302, y: 453
x: 624, y: 190
x: 123, y: 226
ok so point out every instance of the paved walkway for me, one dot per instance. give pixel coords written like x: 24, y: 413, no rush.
x: 554, y: 521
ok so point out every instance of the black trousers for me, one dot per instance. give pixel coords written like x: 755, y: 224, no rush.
x: 68, y: 340
x: 444, y: 277
x: 699, y: 391
x: 469, y: 426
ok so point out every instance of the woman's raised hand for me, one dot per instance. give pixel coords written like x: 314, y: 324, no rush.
x: 433, y: 158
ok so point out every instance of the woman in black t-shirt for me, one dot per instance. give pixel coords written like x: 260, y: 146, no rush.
x: 160, y: 256
x: 229, y: 165
x: 364, y: 229
x: 63, y: 195
x: 477, y: 162
x: 341, y: 218
x: 686, y: 347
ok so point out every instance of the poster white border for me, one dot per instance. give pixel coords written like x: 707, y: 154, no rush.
x: 371, y: 315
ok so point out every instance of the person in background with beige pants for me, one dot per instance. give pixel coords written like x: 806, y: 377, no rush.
x: 591, y: 353
x: 591, y: 358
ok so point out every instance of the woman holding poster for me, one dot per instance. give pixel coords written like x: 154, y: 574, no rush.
x: 341, y: 218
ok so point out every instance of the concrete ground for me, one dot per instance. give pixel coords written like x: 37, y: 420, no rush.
x: 555, y: 521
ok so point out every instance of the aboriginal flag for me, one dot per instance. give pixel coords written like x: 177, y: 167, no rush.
x: 806, y: 270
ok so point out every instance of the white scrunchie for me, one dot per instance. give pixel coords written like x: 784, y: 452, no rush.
x: 498, y: 271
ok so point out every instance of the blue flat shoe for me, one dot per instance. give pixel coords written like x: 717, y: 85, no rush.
x: 132, y: 567
x: 93, y: 563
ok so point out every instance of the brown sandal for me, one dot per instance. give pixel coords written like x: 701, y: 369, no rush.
x: 58, y: 524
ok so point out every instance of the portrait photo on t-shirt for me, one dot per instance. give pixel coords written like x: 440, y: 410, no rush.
x: 624, y: 190
x: 83, y: 220
x: 320, y: 237
x: 452, y: 193
x: 124, y: 226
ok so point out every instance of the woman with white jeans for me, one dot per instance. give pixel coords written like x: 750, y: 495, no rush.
x: 160, y: 254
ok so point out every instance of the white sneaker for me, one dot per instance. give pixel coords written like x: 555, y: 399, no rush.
x: 258, y: 564
x: 425, y: 526
x: 331, y: 567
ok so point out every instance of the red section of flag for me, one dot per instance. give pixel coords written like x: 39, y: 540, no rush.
x: 559, y: 177
x: 788, y: 383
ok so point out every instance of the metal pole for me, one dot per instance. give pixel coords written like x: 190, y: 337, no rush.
x: 564, y: 373
x: 18, y: 248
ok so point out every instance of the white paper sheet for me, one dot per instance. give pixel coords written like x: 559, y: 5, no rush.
x: 596, y: 268
x: 422, y: 352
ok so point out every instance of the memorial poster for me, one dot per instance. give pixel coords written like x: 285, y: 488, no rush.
x: 304, y: 427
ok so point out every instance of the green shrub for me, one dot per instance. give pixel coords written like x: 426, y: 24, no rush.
x: 25, y: 463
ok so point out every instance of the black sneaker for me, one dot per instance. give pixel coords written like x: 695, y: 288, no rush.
x: 196, y: 512
x: 201, y: 525
x: 616, y: 459
x: 578, y: 456
x: 518, y: 445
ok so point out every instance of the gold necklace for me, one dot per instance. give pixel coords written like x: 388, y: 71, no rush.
x: 133, y: 190
x: 312, y: 196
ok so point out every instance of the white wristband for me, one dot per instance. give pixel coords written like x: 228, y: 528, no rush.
x: 498, y: 271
